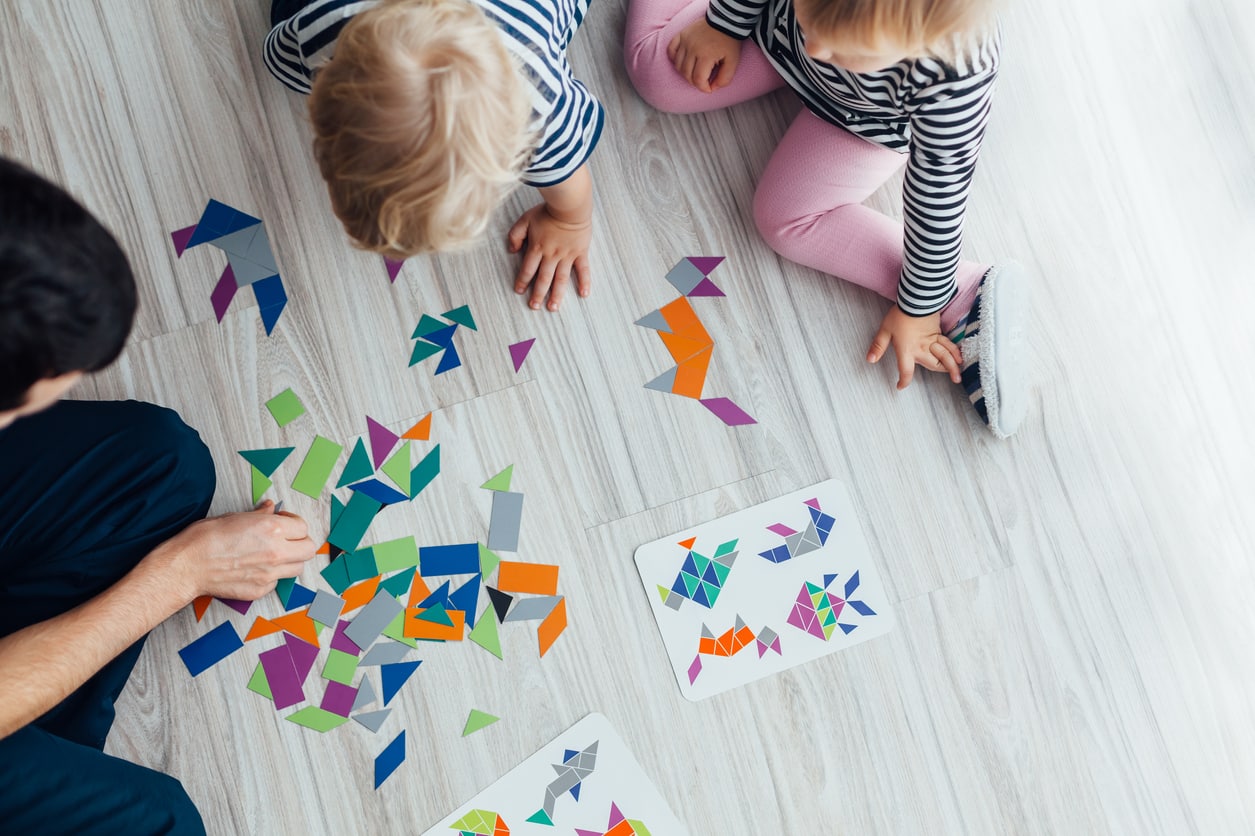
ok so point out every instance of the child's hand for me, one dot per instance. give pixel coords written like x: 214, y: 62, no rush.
x: 915, y: 339
x: 554, y: 249
x: 701, y: 51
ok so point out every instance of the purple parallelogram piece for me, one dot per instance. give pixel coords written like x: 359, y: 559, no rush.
x: 728, y: 412
x: 695, y: 669
x: 342, y: 642
x: 338, y: 698
x: 223, y: 293
x: 285, y: 686
x: 781, y: 529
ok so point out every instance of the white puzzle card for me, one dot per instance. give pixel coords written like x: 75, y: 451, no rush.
x: 585, y: 782
x: 762, y: 590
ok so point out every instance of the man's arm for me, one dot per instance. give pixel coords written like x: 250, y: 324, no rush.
x: 235, y: 556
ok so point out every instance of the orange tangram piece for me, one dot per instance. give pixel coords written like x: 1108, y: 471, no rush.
x: 420, y: 431
x: 200, y: 605
x: 536, y: 578
x: 690, y: 374
x: 261, y: 627
x: 417, y: 628
x: 359, y: 595
x: 325, y: 548
x: 419, y: 591
x: 298, y: 624
x: 682, y: 348
x: 687, y: 544
x: 551, y: 627
x: 683, y: 320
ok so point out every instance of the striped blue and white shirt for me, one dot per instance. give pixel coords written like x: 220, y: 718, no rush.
x: 932, y: 110
x: 565, y: 115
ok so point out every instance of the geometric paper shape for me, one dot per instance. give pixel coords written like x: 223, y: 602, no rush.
x: 503, y: 526
x: 260, y: 484
x: 286, y: 407
x: 728, y: 412
x: 267, y: 460
x: 396, y: 675
x: 317, y: 466
x: 705, y: 288
x: 211, y: 648
x: 393, y: 268
x: 224, y: 291
x: 359, y: 466
x: 519, y: 352
x: 382, y: 440
x: 397, y: 468
x: 500, y: 482
x: 486, y: 636
x: 462, y: 316
x: 531, y: 578
x: 389, y: 759
x: 318, y: 719
x: 552, y: 627
x: 685, y: 276
x: 533, y: 609
x: 420, y: 431
x: 373, y: 720
x: 500, y: 602
x: 477, y: 720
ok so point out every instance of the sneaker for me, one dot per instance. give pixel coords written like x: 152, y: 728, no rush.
x: 995, y: 357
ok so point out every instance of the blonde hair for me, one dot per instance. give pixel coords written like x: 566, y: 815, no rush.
x: 946, y: 28
x: 420, y: 125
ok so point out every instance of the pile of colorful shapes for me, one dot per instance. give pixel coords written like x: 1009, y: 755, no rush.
x: 250, y: 261
x: 797, y: 543
x: 687, y: 340
x: 434, y: 337
x: 700, y: 578
x: 817, y: 610
x: 618, y: 826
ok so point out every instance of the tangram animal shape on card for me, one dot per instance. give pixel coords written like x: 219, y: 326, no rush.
x: 575, y: 767
x: 730, y: 643
x: 618, y: 826
x: 797, y: 543
x: 700, y: 578
x: 250, y: 261
x: 817, y: 610
x: 481, y: 823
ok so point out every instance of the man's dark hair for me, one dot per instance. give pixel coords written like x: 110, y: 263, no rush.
x: 67, y: 296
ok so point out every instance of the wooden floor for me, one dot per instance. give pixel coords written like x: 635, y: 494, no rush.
x: 1075, y: 621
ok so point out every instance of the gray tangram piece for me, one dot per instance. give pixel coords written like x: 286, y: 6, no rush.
x: 532, y: 609
x: 384, y: 653
x: 663, y: 382
x: 365, y: 694
x: 685, y: 277
x: 570, y: 772
x: 373, y: 719
x: 326, y: 607
x: 654, y: 320
x: 373, y: 618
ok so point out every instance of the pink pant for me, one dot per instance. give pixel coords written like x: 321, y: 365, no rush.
x: 808, y: 202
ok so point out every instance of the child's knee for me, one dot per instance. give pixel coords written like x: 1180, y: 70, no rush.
x: 772, y: 218
x: 650, y: 71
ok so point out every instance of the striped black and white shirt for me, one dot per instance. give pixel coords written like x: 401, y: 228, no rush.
x: 934, y: 111
x: 565, y: 115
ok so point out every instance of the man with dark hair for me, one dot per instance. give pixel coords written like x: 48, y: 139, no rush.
x: 102, y: 529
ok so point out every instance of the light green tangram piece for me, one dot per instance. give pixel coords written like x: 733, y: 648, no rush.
x: 258, y: 683
x: 485, y: 634
x: 318, y: 719
x: 638, y: 827
x: 500, y: 482
x: 395, y: 555
x: 396, y: 631
x: 286, y: 407
x: 477, y: 720
x: 488, y: 561
x: 476, y: 823
x: 340, y: 667
x: 397, y: 468
x: 261, y: 484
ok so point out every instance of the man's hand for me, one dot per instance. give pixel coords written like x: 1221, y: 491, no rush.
x: 704, y: 56
x: 555, y: 248
x: 238, y: 556
x: 915, y: 339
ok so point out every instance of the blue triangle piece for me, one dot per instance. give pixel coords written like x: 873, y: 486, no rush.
x: 358, y: 468
x: 270, y: 317
x: 709, y: 575
x: 568, y: 754
x: 213, y: 223
x: 449, y: 360
x: 679, y: 588
x: 815, y: 513
x: 378, y: 491
x: 442, y: 337
x: 396, y: 675
x: 440, y: 596
x: 828, y: 579
x: 267, y: 461
x: 689, y: 566
x: 466, y: 598
x: 283, y: 589
x: 575, y: 792
x: 851, y: 584
x: 847, y: 628
x: 299, y: 597
x: 699, y: 596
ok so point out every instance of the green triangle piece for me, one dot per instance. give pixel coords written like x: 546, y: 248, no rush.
x: 712, y: 592
x: 397, y: 468
x: 267, y: 461
x: 690, y: 583
x: 436, y: 615
x: 358, y: 466
x: 663, y: 592
x: 283, y: 589
x: 462, y: 316
x: 540, y: 817
x: 396, y: 631
x: 500, y: 482
x: 261, y: 484
x: 485, y: 634
x: 425, y: 471
x: 423, y: 350
x: 399, y: 584
x: 478, y: 720
x: 639, y: 826
x: 701, y: 562
x: 487, y: 561
x: 427, y: 325
x: 258, y: 683
x: 721, y: 572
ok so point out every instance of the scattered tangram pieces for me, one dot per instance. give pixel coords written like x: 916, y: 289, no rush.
x: 486, y: 636
x: 393, y: 267
x: 533, y: 609
x: 466, y: 598
x: 519, y: 352
x: 261, y: 627
x: 389, y: 759
x: 382, y: 440
x: 503, y: 525
x: 358, y: 467
x: 458, y: 559
x: 281, y: 674
x: 326, y: 607
x: 420, y: 431
x: 394, y: 676
x: 340, y: 667
x: 267, y: 460
x: 257, y: 683
x: 381, y: 493
x: 425, y: 471
x: 532, y: 578
x: 434, y: 337
x: 217, y: 221
x: 373, y: 720
x: 223, y: 293
x: 500, y: 602
x: 373, y: 619
x: 365, y: 694
x: 384, y: 653
x: 728, y: 412
x: 298, y: 624
x: 317, y: 466
x: 397, y: 468
x: 286, y: 407
x: 343, y: 643
x: 259, y: 485
x: 500, y: 482
x: 200, y: 605
x: 553, y: 625
x: 338, y: 698
x: 211, y: 648
x: 488, y: 561
x: 422, y: 623
x: 395, y: 555
x: 477, y: 720
x: 318, y: 719
x: 353, y: 521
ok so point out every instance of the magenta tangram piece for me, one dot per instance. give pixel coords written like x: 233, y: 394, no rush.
x: 706, y: 263
x: 223, y: 293
x: 519, y: 351
x: 343, y: 643
x: 728, y: 412
x: 695, y: 669
x: 303, y: 655
x: 394, y: 268
x: 705, y: 288
x: 382, y: 440
x: 338, y: 698
x: 814, y: 503
x: 285, y: 687
x: 781, y: 529
x: 239, y: 606
x: 181, y: 237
